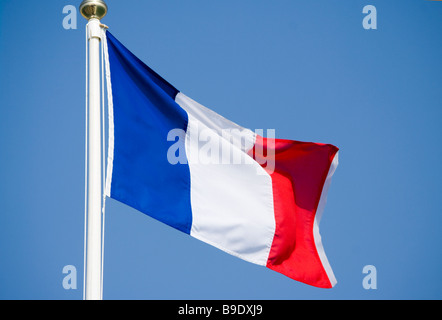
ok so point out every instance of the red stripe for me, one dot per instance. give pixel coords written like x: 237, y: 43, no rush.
x: 298, y: 177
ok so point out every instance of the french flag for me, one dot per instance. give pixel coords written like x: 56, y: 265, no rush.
x: 257, y: 198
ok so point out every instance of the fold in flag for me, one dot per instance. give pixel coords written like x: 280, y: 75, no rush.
x: 259, y: 199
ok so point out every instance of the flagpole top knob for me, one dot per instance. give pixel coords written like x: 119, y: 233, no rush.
x: 93, y: 9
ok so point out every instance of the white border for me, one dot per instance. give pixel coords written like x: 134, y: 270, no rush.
x: 319, y: 211
x: 110, y: 152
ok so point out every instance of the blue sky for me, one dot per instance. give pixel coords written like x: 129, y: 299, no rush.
x: 305, y: 68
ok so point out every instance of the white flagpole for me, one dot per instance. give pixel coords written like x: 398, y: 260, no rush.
x: 93, y: 11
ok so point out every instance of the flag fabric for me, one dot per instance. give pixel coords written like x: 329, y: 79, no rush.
x: 257, y: 198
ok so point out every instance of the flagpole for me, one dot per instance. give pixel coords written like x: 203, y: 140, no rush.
x: 94, y: 11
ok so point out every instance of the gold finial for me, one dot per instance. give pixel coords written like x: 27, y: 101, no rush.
x: 93, y: 9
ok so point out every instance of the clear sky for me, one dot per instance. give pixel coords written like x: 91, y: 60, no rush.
x: 305, y: 68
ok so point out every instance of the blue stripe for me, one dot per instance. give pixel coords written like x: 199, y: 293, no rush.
x: 144, y: 113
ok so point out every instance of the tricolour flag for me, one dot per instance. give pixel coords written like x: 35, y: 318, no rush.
x: 259, y: 199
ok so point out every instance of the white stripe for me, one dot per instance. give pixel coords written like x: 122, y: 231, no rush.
x: 232, y: 203
x: 318, y: 216
x: 110, y: 151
